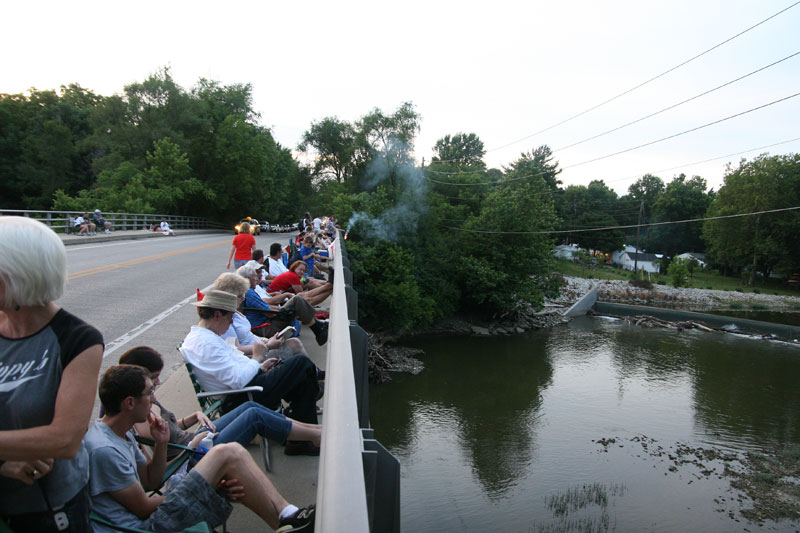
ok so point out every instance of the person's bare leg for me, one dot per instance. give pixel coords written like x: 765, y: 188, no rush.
x: 296, y: 346
x: 303, y: 431
x: 318, y: 295
x: 232, y: 461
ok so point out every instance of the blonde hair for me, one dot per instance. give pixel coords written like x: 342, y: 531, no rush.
x: 244, y: 228
x: 232, y: 283
x: 33, y: 263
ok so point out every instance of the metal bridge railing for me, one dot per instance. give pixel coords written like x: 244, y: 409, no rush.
x: 359, y: 481
x: 61, y: 221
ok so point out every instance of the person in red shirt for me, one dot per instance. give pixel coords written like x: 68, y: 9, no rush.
x: 292, y: 281
x: 243, y: 246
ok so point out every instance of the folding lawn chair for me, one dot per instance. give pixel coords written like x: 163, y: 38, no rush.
x: 211, y: 403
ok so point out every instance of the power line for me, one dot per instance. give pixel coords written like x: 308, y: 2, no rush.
x: 673, y: 106
x: 682, y: 133
x: 614, y: 180
x: 729, y: 39
x: 605, y: 228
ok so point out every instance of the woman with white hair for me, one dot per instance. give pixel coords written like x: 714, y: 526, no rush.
x: 49, y: 362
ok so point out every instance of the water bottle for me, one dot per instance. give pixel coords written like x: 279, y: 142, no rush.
x: 204, y: 446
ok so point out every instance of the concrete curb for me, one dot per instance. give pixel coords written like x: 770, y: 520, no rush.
x: 131, y: 235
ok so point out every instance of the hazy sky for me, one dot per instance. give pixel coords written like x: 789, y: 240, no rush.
x: 501, y: 69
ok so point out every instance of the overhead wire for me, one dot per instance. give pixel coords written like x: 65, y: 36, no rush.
x: 683, y: 132
x: 673, y: 106
x: 686, y: 62
x: 627, y: 226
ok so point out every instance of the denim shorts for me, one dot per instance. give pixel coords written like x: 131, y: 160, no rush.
x: 192, y: 501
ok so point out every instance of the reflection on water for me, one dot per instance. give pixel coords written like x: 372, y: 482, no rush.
x: 495, y: 428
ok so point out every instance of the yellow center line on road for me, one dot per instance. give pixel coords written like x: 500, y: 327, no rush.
x: 131, y: 262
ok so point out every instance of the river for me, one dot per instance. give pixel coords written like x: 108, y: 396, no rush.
x: 586, y: 427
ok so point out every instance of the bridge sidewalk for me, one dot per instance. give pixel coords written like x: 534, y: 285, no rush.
x: 295, y: 477
x: 74, y: 238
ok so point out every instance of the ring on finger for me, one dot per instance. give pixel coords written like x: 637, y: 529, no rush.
x: 35, y: 472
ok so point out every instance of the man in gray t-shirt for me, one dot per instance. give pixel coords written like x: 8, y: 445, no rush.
x: 119, y: 472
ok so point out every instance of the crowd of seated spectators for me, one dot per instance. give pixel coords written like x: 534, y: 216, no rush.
x: 57, y: 470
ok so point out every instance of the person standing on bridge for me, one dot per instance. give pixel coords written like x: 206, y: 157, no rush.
x: 244, y: 244
x: 49, y: 362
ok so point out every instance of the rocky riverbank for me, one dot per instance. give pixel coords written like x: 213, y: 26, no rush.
x: 620, y: 291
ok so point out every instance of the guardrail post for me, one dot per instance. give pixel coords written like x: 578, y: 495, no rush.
x: 358, y: 346
x: 352, y: 302
x: 382, y: 483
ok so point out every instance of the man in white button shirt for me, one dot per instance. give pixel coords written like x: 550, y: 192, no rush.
x: 220, y: 366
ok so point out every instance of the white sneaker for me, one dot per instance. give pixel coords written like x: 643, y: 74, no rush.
x: 108, y: 231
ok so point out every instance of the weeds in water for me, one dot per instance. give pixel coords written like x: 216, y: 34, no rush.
x: 764, y: 477
x: 757, y: 306
x: 793, y: 452
x: 736, y: 305
x: 576, y: 499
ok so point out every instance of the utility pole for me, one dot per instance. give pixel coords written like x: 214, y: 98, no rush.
x: 638, y: 224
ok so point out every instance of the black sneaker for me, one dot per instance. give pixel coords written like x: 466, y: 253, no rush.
x: 322, y: 335
x: 302, y: 520
x: 301, y: 447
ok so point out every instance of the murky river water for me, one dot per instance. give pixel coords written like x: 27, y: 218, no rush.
x: 515, y: 433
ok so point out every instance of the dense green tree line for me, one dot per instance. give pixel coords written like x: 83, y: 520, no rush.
x: 426, y: 241
x: 155, y: 148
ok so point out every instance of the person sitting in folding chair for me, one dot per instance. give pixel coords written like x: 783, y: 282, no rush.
x: 119, y: 472
x: 219, y: 366
x: 240, y: 425
x: 281, y: 346
x: 259, y: 311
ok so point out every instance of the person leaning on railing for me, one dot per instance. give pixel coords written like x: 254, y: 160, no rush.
x: 50, y: 360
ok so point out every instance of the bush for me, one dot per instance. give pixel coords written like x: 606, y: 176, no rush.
x: 756, y: 291
x: 661, y: 282
x: 709, y: 287
x: 678, y: 273
x: 642, y: 283
x: 389, y: 297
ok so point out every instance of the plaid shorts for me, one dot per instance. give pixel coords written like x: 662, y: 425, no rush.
x: 192, y: 501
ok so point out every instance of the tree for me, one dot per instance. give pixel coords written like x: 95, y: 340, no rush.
x: 385, y: 143
x: 334, y: 142
x: 646, y: 190
x: 537, y: 163
x: 587, y: 207
x: 681, y: 200
x: 462, y: 151
x: 763, y: 242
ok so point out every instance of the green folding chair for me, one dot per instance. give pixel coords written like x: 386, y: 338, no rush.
x: 211, y: 402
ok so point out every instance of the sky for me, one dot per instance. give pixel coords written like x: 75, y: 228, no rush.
x: 503, y: 70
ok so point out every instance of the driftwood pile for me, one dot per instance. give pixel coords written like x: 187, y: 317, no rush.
x: 647, y: 321
x: 383, y: 358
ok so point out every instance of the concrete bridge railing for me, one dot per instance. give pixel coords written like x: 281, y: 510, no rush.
x: 359, y: 481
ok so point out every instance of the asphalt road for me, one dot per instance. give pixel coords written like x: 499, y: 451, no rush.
x: 138, y: 292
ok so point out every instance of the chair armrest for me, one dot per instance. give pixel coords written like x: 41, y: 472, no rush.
x: 254, y: 388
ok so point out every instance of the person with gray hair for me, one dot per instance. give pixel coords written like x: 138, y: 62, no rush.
x: 258, y: 310
x: 219, y: 366
x: 49, y: 362
x: 282, y: 348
